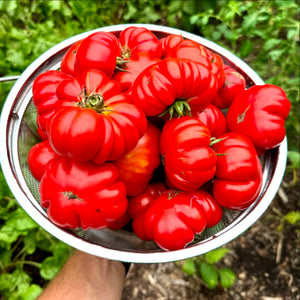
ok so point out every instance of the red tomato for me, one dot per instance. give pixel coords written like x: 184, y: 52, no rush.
x: 169, y: 43
x: 172, y: 219
x: 68, y: 61
x: 212, y: 210
x: 139, y: 203
x: 127, y: 74
x: 100, y: 129
x: 98, y: 51
x: 38, y: 157
x: 238, y: 177
x: 260, y: 113
x: 91, y: 83
x: 137, y: 166
x: 82, y: 194
x: 173, y: 82
x: 234, y: 84
x: 44, y: 96
x: 212, y: 118
x: 134, y: 40
x: 188, y: 160
x: 196, y: 52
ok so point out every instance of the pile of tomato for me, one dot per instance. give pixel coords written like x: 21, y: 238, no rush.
x: 158, y: 135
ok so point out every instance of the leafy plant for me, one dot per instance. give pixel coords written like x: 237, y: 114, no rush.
x: 292, y: 218
x: 206, y: 267
x: 29, y: 256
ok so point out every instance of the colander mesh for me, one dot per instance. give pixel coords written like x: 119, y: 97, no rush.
x: 123, y: 239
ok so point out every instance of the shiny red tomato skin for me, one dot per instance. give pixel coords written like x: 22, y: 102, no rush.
x: 260, y: 113
x: 90, y: 81
x: 44, y: 96
x: 238, y: 178
x: 192, y: 50
x: 172, y: 220
x: 82, y: 194
x: 99, y: 51
x: 137, y: 166
x: 68, y: 61
x: 127, y: 74
x: 161, y: 84
x: 212, y: 118
x: 212, y: 210
x: 188, y: 160
x: 38, y: 157
x: 135, y: 40
x: 234, y: 84
x: 84, y: 134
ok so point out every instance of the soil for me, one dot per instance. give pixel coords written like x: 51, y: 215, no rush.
x: 265, y: 260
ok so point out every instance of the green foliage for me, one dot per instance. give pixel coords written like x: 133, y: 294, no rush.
x: 291, y: 218
x: 206, y: 267
x: 20, y: 239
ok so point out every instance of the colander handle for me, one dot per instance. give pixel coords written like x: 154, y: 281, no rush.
x: 9, y: 78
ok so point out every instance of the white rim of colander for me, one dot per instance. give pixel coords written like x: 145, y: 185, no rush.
x: 30, y: 205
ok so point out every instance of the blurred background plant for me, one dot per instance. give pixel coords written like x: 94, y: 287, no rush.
x: 265, y: 34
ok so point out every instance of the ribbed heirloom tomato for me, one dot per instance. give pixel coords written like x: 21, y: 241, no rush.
x: 238, y: 177
x: 173, y: 82
x: 172, y: 220
x: 260, y: 113
x: 44, y: 97
x: 82, y: 194
x: 188, y: 160
x: 96, y: 121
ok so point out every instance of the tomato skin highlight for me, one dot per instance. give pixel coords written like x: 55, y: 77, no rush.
x: 38, y: 157
x: 136, y: 40
x: 260, y: 113
x: 188, y: 160
x: 234, y: 84
x: 238, y: 178
x: 98, y: 51
x: 212, y: 118
x: 82, y: 194
x: 161, y: 84
x: 171, y: 220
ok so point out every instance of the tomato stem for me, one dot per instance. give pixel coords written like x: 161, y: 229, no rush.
x: 178, y: 108
x: 94, y: 100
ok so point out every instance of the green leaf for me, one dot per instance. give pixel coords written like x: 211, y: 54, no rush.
x: 294, y: 158
x: 209, y: 274
x: 227, y: 277
x: 246, y: 48
x: 189, y: 267
x: 50, y: 267
x: 216, y: 255
x: 5, y: 257
x: 32, y: 292
x: 292, y: 217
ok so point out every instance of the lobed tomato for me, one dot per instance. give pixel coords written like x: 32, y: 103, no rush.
x: 82, y: 194
x: 172, y: 81
x: 188, y: 160
x: 172, y: 220
x: 238, y: 177
x: 260, y: 113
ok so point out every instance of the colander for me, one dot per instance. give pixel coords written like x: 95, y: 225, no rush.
x: 18, y: 135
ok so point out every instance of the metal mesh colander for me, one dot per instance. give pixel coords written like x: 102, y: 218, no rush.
x: 18, y: 135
